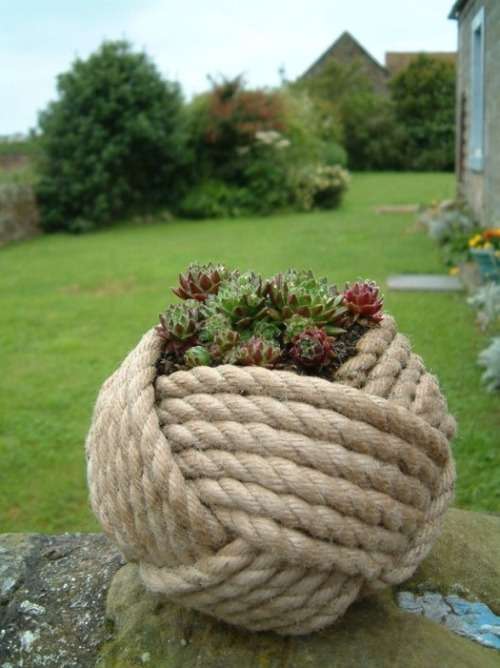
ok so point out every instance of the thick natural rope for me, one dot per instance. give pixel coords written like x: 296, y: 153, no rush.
x: 268, y: 499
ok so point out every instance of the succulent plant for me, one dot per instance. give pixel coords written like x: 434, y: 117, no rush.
x: 312, y: 348
x: 229, y: 317
x: 223, y: 343
x: 213, y: 323
x: 266, y: 329
x: 197, y: 356
x: 301, y: 294
x: 200, y: 281
x: 364, y: 300
x: 179, y: 326
x: 241, y: 299
x: 296, y: 325
x: 257, y: 352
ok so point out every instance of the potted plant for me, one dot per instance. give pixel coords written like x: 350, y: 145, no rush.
x: 272, y: 450
x: 485, y: 250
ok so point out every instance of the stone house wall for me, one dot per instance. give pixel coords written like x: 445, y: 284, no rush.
x: 480, y: 188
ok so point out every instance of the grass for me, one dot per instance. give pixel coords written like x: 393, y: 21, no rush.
x: 73, y: 306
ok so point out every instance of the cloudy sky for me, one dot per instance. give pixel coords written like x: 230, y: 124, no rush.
x: 193, y: 38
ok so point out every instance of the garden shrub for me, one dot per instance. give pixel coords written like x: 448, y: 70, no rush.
x: 214, y: 199
x: 424, y: 101
x: 333, y: 154
x: 267, y: 147
x: 224, y: 124
x: 320, y: 186
x: 373, y: 138
x: 113, y: 141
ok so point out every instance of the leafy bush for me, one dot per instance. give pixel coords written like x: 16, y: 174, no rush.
x: 113, y: 141
x: 333, y: 154
x: 372, y: 136
x: 424, y: 101
x: 214, y: 199
x: 320, y: 186
x: 490, y: 359
x: 224, y: 123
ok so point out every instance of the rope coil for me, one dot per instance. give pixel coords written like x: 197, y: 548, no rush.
x: 268, y: 499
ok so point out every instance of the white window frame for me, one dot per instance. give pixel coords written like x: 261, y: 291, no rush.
x: 477, y: 106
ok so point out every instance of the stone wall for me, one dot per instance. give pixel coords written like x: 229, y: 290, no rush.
x: 68, y: 602
x: 481, y: 189
x: 19, y: 217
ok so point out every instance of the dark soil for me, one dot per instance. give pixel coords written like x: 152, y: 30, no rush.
x: 344, y: 347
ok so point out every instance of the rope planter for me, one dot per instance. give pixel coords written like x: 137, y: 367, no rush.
x: 269, y: 499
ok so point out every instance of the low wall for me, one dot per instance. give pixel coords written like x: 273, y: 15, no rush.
x: 66, y: 601
x: 19, y: 217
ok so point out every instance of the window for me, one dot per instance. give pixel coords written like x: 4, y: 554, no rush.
x: 476, y: 138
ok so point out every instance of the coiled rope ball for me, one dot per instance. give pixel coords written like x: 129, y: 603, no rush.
x: 269, y: 499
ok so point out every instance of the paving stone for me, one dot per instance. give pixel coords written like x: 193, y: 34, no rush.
x: 425, y: 282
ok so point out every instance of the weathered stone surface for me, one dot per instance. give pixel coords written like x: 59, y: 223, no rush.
x: 52, y: 614
x: 465, y: 560
x: 374, y: 633
x: 52, y: 595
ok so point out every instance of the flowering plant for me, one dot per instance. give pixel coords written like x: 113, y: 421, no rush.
x: 321, y: 186
x: 487, y: 240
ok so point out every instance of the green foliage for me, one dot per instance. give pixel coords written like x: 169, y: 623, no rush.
x: 414, y: 129
x: 214, y: 199
x: 451, y: 224
x: 112, y: 142
x: 223, y: 125
x: 424, y: 103
x: 486, y: 301
x: 372, y: 136
x: 249, y: 146
x: 319, y: 186
x: 333, y: 154
x: 489, y: 358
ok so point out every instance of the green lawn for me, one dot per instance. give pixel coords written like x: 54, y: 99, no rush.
x: 73, y: 306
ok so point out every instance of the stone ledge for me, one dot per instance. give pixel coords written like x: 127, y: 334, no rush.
x: 56, y: 611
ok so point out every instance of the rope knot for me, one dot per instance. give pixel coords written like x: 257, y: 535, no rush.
x: 269, y: 499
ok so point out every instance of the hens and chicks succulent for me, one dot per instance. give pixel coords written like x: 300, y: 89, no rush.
x: 291, y: 320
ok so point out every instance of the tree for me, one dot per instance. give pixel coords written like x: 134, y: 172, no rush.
x: 424, y: 103
x: 112, y: 142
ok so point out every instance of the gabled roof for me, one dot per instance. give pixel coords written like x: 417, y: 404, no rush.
x: 397, y: 61
x: 457, y: 8
x: 331, y: 49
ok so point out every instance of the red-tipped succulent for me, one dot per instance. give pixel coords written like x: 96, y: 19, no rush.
x: 312, y: 348
x: 363, y: 299
x: 200, y: 281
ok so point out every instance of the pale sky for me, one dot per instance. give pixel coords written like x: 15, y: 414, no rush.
x: 189, y: 40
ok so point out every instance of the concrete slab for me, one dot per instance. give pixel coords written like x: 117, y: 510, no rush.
x: 397, y: 208
x: 425, y: 282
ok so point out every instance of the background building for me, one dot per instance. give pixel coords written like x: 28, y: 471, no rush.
x: 478, y: 106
